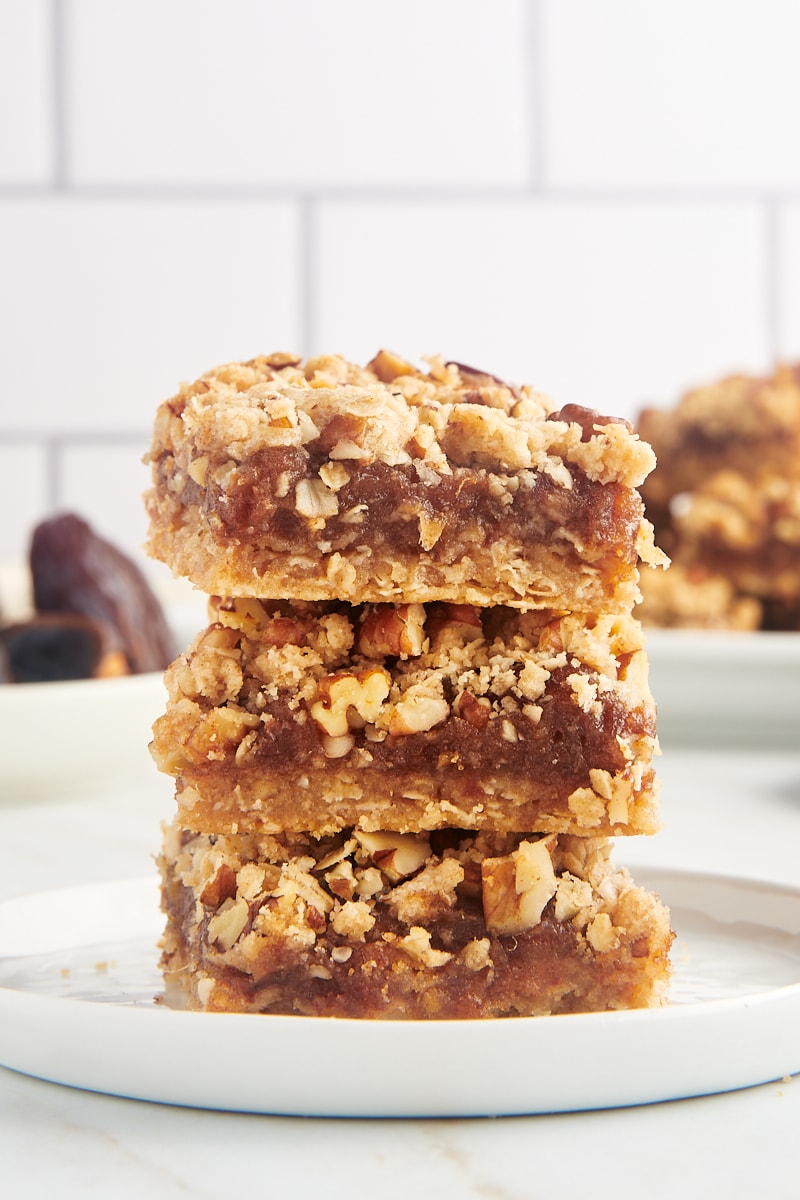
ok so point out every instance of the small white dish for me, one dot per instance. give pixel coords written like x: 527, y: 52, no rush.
x: 77, y: 735
x: 718, y: 688
x: 84, y: 734
x: 78, y: 977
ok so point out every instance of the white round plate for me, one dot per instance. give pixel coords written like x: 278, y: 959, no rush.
x: 78, y: 976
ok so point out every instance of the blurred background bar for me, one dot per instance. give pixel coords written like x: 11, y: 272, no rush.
x: 600, y: 199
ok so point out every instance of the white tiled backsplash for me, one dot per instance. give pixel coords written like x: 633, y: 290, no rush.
x: 601, y: 197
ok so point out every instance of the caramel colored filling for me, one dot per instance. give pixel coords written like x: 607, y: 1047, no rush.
x: 383, y: 505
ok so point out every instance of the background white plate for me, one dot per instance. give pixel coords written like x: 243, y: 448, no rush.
x: 85, y: 733
x: 78, y: 973
x: 725, y: 689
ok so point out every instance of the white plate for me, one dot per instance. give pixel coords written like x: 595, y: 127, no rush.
x: 717, y: 688
x: 78, y: 973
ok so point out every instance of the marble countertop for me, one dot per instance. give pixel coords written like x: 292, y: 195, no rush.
x: 734, y: 812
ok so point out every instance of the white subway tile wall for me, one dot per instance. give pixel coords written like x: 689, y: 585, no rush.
x: 90, y: 473
x: 690, y: 93
x: 602, y: 199
x: 788, y: 283
x: 108, y: 303
x: 27, y: 135
x: 305, y: 94
x: 602, y: 304
x: 24, y: 493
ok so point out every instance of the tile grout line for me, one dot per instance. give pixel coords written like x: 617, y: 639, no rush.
x: 537, y: 117
x: 405, y: 193
x: 52, y: 473
x: 59, y: 94
x: 306, y: 272
x: 68, y: 439
x: 53, y: 447
x: 772, y: 238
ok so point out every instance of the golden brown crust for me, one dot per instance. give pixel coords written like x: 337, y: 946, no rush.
x: 325, y: 480
x: 316, y: 717
x: 393, y: 926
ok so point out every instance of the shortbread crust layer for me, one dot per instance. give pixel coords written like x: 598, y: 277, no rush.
x: 316, y: 717
x: 455, y: 925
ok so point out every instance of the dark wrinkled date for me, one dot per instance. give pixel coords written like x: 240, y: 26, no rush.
x: 95, y: 614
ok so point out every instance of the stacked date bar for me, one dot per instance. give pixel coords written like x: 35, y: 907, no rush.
x: 420, y: 710
x: 726, y: 503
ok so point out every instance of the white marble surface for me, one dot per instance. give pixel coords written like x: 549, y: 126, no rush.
x: 738, y: 813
